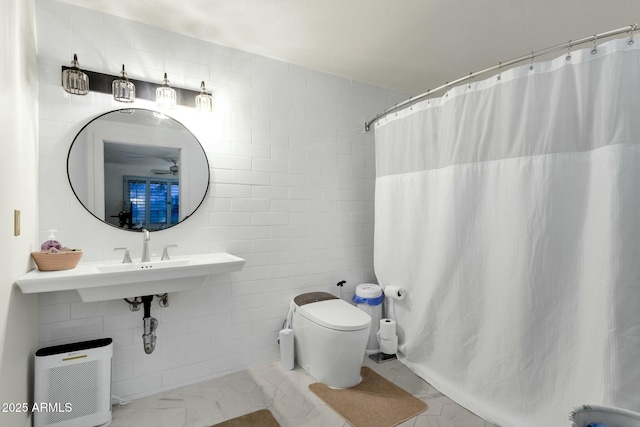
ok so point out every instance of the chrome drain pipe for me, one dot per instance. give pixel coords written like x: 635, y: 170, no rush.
x: 149, y: 336
x: 150, y: 326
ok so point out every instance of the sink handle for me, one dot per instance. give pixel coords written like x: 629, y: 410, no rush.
x: 127, y: 257
x: 165, y: 252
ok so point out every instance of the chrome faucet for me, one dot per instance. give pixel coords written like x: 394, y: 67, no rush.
x: 145, y: 245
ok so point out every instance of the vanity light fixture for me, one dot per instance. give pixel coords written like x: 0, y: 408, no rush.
x: 204, y: 101
x: 165, y: 94
x: 74, y: 80
x: 123, y: 90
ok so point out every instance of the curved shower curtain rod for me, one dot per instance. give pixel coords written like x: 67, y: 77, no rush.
x: 411, y: 101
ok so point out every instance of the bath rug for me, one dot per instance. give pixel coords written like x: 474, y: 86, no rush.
x: 375, y: 402
x: 261, y: 418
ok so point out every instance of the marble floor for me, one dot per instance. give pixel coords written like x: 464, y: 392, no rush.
x: 286, y: 395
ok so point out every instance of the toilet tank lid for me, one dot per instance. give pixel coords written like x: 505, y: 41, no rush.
x: 335, y: 314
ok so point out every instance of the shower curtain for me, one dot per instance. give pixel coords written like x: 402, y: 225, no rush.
x: 509, y: 209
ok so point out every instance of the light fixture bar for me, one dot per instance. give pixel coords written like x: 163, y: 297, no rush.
x: 101, y: 83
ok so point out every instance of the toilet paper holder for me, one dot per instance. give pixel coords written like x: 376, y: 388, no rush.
x: 388, y: 340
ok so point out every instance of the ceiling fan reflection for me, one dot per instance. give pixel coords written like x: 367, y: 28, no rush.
x: 173, y: 170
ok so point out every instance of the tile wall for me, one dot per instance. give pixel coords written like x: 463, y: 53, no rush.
x: 292, y: 189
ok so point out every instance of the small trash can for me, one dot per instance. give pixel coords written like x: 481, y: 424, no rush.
x: 601, y: 416
x: 368, y: 298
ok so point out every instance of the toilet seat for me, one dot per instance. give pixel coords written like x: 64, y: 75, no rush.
x: 335, y: 314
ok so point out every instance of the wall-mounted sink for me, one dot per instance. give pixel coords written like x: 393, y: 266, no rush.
x: 97, y: 281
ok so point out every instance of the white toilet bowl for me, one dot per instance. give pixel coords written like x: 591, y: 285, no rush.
x: 330, y: 338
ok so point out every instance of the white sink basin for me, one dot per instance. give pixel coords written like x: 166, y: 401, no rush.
x: 114, y: 280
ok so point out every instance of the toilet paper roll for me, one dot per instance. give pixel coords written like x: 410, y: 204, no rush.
x: 389, y: 346
x: 285, y: 337
x: 395, y: 292
x: 387, y: 329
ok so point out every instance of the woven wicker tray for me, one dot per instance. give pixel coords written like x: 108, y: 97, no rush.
x: 47, y: 261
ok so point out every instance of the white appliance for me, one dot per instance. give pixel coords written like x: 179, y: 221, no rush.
x: 73, y: 385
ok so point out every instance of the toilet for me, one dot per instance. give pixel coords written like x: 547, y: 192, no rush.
x: 330, y: 338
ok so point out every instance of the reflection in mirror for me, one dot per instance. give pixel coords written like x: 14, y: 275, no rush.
x: 136, y: 169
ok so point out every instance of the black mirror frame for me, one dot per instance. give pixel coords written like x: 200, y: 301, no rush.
x: 204, y: 196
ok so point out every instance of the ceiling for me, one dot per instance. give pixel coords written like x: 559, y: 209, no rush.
x: 140, y: 155
x: 407, y: 45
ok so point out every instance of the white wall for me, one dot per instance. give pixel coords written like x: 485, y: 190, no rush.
x: 18, y: 139
x: 292, y: 192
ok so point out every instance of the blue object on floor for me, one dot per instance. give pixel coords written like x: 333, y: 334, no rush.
x: 597, y: 425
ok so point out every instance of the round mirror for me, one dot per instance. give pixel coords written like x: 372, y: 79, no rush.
x: 138, y: 169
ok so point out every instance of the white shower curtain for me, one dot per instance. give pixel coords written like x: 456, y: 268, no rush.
x: 510, y: 211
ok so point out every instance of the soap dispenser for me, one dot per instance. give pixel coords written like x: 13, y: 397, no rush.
x: 51, y: 242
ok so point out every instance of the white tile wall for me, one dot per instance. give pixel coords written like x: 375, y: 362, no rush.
x: 291, y: 191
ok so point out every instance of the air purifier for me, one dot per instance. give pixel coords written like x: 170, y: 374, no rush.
x: 73, y: 385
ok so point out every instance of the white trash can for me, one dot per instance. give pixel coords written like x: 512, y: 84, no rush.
x: 600, y: 416
x: 368, y: 298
